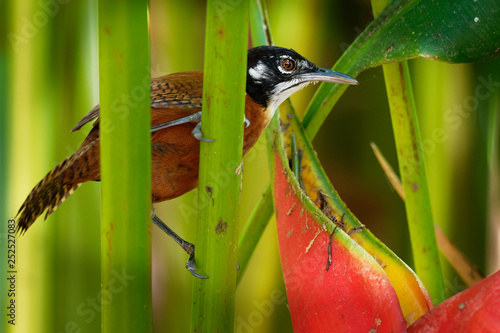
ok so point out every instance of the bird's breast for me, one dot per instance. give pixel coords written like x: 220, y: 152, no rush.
x: 259, y: 118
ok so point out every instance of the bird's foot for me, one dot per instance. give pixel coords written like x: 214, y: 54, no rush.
x: 191, y: 267
x: 198, y: 134
x: 186, y: 246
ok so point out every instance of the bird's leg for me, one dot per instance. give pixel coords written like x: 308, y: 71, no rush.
x: 186, y: 246
x: 197, y: 133
x: 194, y: 118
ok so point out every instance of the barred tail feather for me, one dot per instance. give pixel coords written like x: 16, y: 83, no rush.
x: 63, y: 194
x: 49, y: 193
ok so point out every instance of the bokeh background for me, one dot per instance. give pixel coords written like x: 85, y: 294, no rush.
x: 49, y: 75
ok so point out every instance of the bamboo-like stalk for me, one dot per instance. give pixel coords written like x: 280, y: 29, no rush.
x: 414, y: 180
x: 220, y: 166
x: 413, y: 175
x: 254, y: 228
x: 125, y: 166
x: 31, y: 156
x: 435, y: 86
x: 263, y: 210
x: 175, y: 50
x: 4, y: 104
x: 493, y: 206
x: 4, y: 150
x: 77, y: 247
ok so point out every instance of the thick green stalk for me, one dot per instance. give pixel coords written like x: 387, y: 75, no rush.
x: 125, y: 166
x: 414, y: 180
x: 4, y: 151
x: 264, y: 209
x: 413, y: 175
x: 220, y: 165
x: 493, y: 188
x: 259, y: 24
x: 254, y: 228
x: 32, y: 152
x: 4, y: 104
x: 77, y: 265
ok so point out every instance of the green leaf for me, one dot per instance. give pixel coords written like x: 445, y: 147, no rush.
x: 445, y: 30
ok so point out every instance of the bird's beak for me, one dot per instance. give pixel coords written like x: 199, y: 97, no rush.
x: 327, y: 75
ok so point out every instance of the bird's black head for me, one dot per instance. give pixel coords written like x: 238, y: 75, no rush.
x: 275, y: 73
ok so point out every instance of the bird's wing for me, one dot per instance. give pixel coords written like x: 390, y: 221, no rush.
x: 181, y: 90
x: 174, y: 91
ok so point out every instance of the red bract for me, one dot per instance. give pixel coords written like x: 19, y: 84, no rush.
x: 476, y: 309
x: 354, y: 295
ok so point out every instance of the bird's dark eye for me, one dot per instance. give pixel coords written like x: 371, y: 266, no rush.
x: 288, y: 64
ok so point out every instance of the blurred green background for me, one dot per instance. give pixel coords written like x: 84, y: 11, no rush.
x: 49, y: 75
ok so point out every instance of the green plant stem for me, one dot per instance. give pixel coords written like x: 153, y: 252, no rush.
x: 125, y: 166
x: 220, y: 166
x: 32, y: 144
x: 413, y: 176
x: 493, y: 188
x: 5, y: 93
x: 259, y: 24
x: 264, y: 209
x: 414, y: 180
x: 254, y: 228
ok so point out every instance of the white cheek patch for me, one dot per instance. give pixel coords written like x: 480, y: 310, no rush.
x: 258, y: 73
x: 255, y: 74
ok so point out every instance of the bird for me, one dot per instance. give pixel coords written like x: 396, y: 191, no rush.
x: 273, y: 74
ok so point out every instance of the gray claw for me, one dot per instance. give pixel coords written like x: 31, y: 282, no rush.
x: 199, y: 135
x: 247, y: 122
x: 192, y: 268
